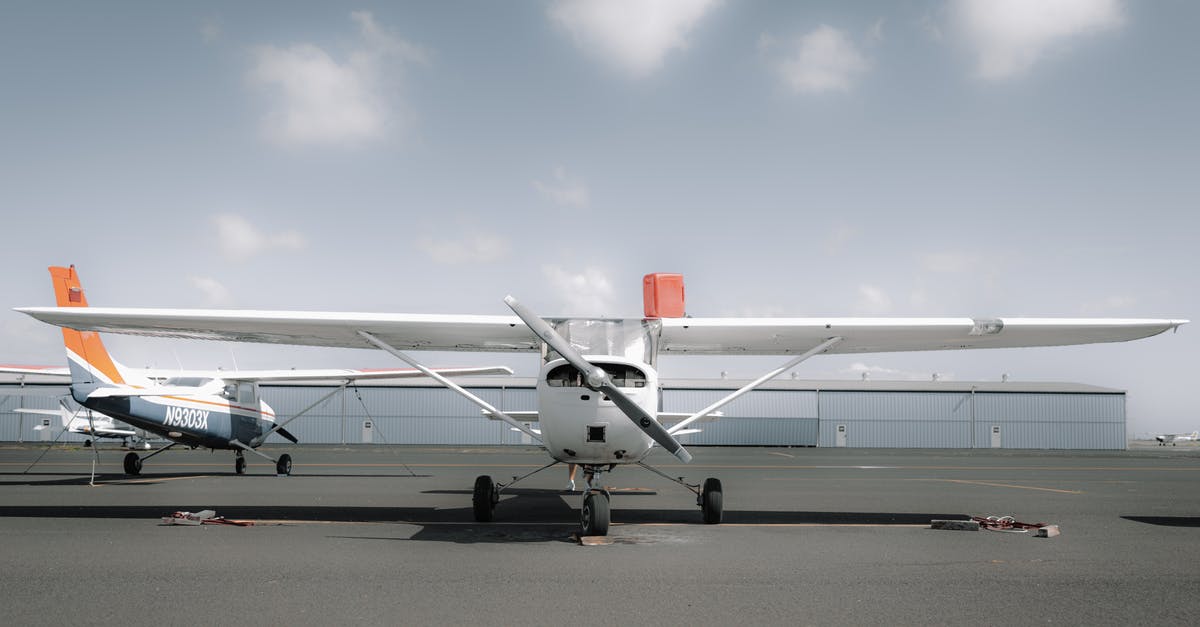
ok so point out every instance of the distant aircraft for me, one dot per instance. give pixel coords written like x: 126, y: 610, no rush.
x: 212, y: 409
x: 1172, y: 438
x: 598, y: 386
x: 86, y: 422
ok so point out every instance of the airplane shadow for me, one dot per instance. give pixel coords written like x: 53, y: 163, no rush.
x: 527, y: 516
x: 1166, y: 521
x: 152, y: 478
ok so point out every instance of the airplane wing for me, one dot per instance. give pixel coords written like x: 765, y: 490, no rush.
x: 780, y: 336
x: 56, y: 371
x: 704, y: 336
x: 351, y: 374
x: 403, y: 331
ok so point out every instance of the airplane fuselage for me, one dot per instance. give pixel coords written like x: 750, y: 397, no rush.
x: 583, y: 426
x: 210, y: 421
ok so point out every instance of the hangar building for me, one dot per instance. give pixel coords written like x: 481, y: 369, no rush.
x: 860, y: 414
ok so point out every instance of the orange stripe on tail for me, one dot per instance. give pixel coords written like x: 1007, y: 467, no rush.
x: 86, y: 344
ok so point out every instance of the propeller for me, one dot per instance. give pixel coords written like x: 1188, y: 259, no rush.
x: 595, y: 378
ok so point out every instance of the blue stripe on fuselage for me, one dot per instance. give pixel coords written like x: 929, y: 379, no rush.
x: 209, y: 424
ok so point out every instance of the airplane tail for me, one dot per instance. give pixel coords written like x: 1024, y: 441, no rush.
x: 88, y: 360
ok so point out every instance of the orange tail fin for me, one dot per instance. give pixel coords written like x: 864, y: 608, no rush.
x: 86, y: 354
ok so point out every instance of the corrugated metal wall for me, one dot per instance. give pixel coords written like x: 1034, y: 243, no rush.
x: 1053, y: 421
x: 797, y: 417
x: 897, y: 419
x: 401, y: 415
x: 761, y: 417
x: 15, y: 427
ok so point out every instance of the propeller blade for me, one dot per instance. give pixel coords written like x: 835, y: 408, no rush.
x: 596, y: 379
x: 287, y: 434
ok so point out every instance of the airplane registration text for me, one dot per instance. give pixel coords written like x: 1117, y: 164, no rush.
x: 186, y: 418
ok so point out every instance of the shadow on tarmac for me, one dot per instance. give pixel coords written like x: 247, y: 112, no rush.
x: 151, y: 479
x: 1167, y: 521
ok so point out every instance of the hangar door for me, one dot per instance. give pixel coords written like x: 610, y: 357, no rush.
x: 759, y: 418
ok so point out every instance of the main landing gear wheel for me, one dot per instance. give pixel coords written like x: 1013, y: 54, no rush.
x: 710, y: 501
x: 593, y: 516
x: 485, y: 498
x: 284, y: 465
x: 239, y: 465
x: 133, y: 464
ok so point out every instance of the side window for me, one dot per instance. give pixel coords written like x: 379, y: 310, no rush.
x: 247, y: 392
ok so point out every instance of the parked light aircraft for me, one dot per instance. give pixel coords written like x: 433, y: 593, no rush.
x: 1172, y: 438
x: 598, y: 387
x: 212, y: 409
x: 85, y: 422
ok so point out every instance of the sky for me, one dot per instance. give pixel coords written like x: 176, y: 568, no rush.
x: 911, y: 158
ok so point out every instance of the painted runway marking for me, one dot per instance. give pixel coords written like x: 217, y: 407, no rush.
x: 781, y: 454
x: 1005, y: 485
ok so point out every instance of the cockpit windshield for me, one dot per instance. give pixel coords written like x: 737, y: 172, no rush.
x: 631, y: 339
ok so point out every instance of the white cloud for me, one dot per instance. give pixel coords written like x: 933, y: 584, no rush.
x: 873, y: 300
x: 1113, y: 304
x: 838, y: 238
x: 564, y: 190
x: 588, y: 293
x: 875, y: 33
x: 214, y: 293
x: 319, y: 100
x: 239, y: 240
x: 867, y: 371
x: 210, y: 30
x: 471, y: 248
x: 823, y: 60
x: 631, y: 35
x: 1009, y: 37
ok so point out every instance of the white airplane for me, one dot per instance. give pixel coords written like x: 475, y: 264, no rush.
x: 85, y: 422
x: 598, y: 387
x: 1172, y: 438
x: 212, y: 409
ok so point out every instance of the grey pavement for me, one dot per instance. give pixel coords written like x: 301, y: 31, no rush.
x: 385, y: 535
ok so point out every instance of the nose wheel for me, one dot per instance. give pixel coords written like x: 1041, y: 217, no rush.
x: 594, y: 514
x: 284, y: 465
x: 239, y: 464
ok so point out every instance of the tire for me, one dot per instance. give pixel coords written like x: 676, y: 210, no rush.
x: 484, y: 499
x: 284, y: 465
x: 239, y: 465
x: 711, y: 501
x: 133, y: 464
x: 594, y: 515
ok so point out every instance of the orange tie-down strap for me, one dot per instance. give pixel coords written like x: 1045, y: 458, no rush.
x: 1005, y: 523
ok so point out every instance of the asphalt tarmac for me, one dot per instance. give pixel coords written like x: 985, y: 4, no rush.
x: 385, y: 535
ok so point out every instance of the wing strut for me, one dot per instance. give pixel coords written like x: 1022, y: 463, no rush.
x: 487, y: 407
x: 820, y: 348
x: 255, y: 442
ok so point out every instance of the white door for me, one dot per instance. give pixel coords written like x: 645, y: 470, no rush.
x: 841, y: 436
x: 368, y: 432
x: 995, y: 436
